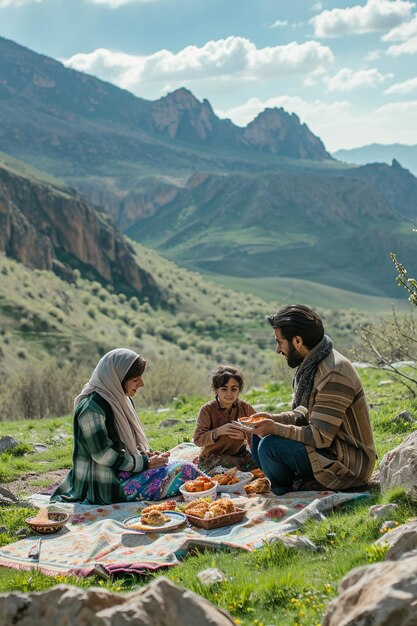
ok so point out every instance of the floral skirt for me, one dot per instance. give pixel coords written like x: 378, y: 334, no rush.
x: 157, y: 484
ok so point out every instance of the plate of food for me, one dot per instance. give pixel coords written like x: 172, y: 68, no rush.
x: 249, y: 422
x: 155, y: 521
x: 232, y: 479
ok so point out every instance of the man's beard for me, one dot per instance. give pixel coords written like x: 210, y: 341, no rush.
x: 294, y: 358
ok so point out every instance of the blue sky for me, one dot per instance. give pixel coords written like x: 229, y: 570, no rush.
x: 347, y: 68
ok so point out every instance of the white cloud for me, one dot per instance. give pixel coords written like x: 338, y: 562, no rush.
x: 339, y: 124
x: 317, y: 6
x: 348, y: 80
x: 408, y: 47
x: 403, y: 32
x: 405, y: 87
x: 373, y: 55
x: 375, y: 15
x: 16, y: 3
x: 225, y: 59
x: 279, y: 23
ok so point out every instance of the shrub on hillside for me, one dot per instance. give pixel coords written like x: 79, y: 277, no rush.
x: 46, y: 390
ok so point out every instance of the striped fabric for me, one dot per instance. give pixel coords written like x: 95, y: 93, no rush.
x: 338, y: 432
x: 98, y: 456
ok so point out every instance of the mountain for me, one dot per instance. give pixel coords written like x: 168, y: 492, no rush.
x: 406, y: 155
x: 261, y: 201
x: 53, y: 228
x: 335, y: 230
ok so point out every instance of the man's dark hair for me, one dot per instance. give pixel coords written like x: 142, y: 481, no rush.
x: 136, y: 369
x: 298, y: 320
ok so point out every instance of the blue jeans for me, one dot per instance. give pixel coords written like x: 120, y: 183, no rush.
x: 282, y: 461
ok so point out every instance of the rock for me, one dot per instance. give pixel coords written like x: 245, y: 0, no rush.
x: 39, y: 447
x: 398, y: 467
x: 385, y: 382
x: 404, y: 416
x: 168, y: 423
x: 160, y: 603
x: 7, y: 496
x: 3, y: 529
x: 8, y: 442
x: 401, y: 540
x: 382, y: 511
x: 210, y: 576
x: 388, y: 525
x: 382, y: 594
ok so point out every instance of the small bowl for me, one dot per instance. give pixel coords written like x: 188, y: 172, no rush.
x: 189, y: 496
x: 55, y: 522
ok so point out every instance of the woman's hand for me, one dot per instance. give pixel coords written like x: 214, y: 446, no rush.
x: 232, y: 430
x: 157, y: 460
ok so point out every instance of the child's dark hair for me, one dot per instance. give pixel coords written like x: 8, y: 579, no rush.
x: 136, y: 369
x: 223, y: 373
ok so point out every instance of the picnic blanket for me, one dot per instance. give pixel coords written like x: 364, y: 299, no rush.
x: 96, y: 540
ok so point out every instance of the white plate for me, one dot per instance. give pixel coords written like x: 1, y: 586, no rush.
x: 175, y: 520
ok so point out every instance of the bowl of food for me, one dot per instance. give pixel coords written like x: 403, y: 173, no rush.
x: 250, y: 421
x: 232, y: 480
x: 201, y: 487
x: 47, y: 525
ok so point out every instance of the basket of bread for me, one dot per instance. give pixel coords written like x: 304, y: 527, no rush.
x: 208, y: 515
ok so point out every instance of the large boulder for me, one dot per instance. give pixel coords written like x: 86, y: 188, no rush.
x: 160, y: 603
x: 400, y: 540
x: 399, y: 467
x: 382, y: 594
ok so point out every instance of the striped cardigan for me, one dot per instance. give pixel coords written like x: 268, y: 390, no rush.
x: 337, y: 429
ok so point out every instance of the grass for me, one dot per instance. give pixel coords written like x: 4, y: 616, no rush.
x: 275, y: 585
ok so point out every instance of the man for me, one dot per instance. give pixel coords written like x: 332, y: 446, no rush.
x: 327, y: 436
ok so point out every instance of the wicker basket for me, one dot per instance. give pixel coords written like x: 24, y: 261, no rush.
x: 217, y: 522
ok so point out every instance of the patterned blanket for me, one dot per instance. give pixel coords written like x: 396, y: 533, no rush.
x: 95, y: 538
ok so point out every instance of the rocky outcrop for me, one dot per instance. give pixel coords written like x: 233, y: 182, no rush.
x: 398, y: 467
x: 278, y: 132
x: 382, y: 594
x: 160, y: 603
x: 40, y: 223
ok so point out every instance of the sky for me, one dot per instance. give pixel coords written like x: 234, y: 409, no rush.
x: 348, y: 69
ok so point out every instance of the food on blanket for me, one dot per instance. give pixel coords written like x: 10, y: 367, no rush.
x: 154, y: 518
x: 170, y: 505
x: 202, y: 483
x: 257, y: 473
x: 208, y: 510
x: 260, y: 485
x: 228, y: 478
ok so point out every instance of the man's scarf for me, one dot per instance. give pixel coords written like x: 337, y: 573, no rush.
x: 304, y: 378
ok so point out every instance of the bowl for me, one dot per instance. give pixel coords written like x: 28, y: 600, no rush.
x: 189, y: 496
x: 55, y: 522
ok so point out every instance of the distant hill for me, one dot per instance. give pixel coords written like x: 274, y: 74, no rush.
x: 335, y: 230
x: 53, y: 228
x: 379, y: 153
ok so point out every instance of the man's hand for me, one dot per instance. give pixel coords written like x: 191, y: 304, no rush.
x: 232, y: 430
x: 264, y: 427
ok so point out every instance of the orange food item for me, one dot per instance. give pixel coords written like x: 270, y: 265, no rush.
x: 260, y: 485
x: 170, y: 505
x: 202, y: 483
x: 257, y: 473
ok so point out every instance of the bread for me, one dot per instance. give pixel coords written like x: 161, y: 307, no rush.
x: 260, y: 485
x: 154, y: 518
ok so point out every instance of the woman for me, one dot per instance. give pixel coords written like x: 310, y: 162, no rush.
x: 111, y: 459
x: 217, y: 432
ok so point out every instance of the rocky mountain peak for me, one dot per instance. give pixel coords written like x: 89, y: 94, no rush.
x: 180, y: 115
x: 279, y: 132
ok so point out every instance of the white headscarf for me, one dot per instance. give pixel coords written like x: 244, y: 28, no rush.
x: 106, y: 379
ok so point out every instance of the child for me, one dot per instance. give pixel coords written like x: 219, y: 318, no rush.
x: 217, y: 431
